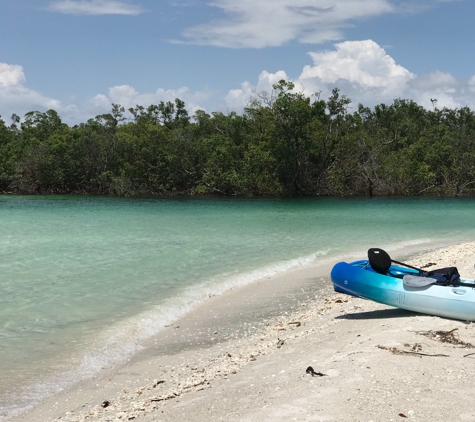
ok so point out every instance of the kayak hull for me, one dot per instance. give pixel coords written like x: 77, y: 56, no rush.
x: 359, y: 279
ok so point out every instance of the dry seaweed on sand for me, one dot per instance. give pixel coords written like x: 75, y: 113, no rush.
x: 413, y: 351
x: 451, y: 337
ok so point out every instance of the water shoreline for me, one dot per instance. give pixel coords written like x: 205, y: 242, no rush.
x: 233, y: 310
x: 91, y: 362
x: 203, y: 331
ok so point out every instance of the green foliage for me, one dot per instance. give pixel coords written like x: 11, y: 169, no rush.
x: 285, y: 143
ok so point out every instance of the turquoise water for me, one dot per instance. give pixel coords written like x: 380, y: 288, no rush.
x: 84, y: 280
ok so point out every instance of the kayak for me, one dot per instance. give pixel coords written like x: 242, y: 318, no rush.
x: 395, y: 288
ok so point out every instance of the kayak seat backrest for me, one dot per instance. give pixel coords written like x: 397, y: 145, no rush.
x: 379, y: 260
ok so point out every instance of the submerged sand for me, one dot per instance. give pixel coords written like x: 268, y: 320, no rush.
x: 370, y: 361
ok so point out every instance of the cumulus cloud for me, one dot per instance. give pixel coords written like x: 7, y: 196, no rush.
x: 237, y: 99
x: 435, y: 82
x: 15, y: 97
x: 471, y: 84
x: 362, y: 67
x: 128, y: 97
x: 94, y: 7
x: 11, y: 75
x: 364, y: 72
x: 260, y: 23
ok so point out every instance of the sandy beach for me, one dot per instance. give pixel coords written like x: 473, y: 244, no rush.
x: 289, y: 348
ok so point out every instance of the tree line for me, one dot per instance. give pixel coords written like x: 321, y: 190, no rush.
x: 284, y: 144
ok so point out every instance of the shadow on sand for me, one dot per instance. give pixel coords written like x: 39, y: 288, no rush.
x: 380, y: 314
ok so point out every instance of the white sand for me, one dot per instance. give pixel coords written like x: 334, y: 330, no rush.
x: 378, y: 365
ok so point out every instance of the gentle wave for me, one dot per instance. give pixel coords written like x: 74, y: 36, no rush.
x: 124, y: 339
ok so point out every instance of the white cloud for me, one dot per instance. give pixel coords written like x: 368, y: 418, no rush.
x: 101, y: 101
x: 94, y: 7
x: 237, y: 99
x: 265, y: 23
x: 410, y: 7
x: 359, y: 65
x: 364, y: 72
x: 436, y: 82
x: 15, y: 97
x: 11, y: 75
x: 471, y: 84
x: 261, y: 23
x: 128, y: 97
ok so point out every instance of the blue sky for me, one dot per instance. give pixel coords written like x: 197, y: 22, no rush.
x: 79, y: 56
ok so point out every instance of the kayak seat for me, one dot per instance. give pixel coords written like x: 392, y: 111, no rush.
x: 379, y: 260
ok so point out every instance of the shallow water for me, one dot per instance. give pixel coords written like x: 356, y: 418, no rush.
x: 85, y: 280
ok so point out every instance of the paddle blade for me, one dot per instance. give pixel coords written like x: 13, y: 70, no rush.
x: 416, y: 281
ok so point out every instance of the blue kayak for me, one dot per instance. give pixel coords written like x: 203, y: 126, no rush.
x: 395, y: 288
